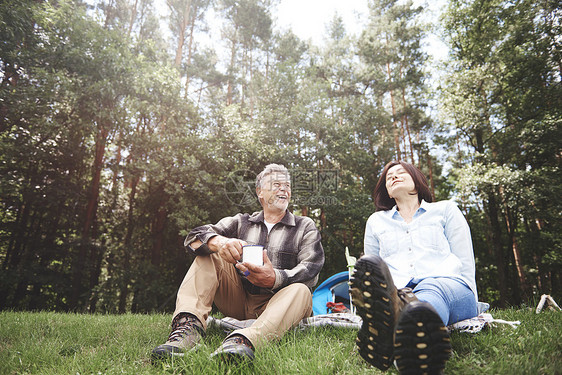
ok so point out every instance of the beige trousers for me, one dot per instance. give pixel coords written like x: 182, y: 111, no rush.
x: 212, y: 279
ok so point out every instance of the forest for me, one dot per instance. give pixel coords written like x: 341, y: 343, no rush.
x: 122, y: 129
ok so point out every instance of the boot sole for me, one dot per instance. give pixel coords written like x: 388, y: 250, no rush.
x: 422, y: 344
x: 234, y: 354
x: 165, y: 352
x: 371, y: 290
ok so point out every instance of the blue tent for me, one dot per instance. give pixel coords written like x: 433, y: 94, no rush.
x: 333, y: 289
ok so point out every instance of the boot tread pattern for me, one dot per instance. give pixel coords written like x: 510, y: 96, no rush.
x: 373, y: 301
x: 422, y: 344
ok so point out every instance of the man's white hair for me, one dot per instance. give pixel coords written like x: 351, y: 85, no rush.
x: 269, y: 169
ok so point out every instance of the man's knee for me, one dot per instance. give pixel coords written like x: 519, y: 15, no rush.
x: 300, y: 291
x: 207, y: 263
x: 300, y: 288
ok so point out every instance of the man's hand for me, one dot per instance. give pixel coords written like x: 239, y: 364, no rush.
x: 262, y: 276
x: 230, y: 249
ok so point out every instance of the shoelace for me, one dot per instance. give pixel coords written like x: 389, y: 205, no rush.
x: 179, y: 333
x: 406, y: 295
x: 183, y: 325
x: 238, y: 339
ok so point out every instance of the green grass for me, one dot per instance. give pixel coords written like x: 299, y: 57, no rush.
x: 53, y: 343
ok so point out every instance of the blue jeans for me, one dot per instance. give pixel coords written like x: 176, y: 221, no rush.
x: 451, y: 298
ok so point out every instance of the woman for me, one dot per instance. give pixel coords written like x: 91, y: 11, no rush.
x: 416, y: 277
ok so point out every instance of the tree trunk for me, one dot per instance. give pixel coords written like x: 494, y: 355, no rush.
x: 181, y: 36
x: 524, y: 286
x: 189, y: 56
x: 543, y: 278
x: 231, y: 73
x: 124, y: 286
x: 323, y: 220
x: 28, y: 258
x: 407, y: 126
x: 158, y: 226
x: 79, y: 266
x: 495, y: 234
x: 133, y: 16
x: 96, y: 258
x: 16, y: 254
x: 13, y: 253
x: 394, y: 122
x: 432, y: 183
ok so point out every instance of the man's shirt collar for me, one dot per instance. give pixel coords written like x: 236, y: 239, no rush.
x: 288, y: 219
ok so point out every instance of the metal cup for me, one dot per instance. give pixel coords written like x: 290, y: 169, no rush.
x: 253, y: 254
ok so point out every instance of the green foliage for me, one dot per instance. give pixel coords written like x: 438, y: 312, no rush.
x: 111, y: 150
x: 502, y: 100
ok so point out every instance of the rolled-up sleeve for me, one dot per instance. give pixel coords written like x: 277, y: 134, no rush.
x: 227, y: 227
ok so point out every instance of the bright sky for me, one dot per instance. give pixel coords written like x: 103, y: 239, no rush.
x: 308, y: 18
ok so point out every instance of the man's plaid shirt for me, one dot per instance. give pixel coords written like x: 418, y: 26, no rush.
x: 293, y: 246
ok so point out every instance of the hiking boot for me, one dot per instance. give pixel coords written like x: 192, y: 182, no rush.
x: 421, y: 341
x: 187, y: 331
x: 379, y: 303
x: 235, y: 349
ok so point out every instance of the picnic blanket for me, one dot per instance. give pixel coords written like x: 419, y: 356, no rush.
x: 345, y: 320
x: 476, y: 324
x: 348, y: 320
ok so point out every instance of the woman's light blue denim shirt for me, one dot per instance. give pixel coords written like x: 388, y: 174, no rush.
x: 436, y: 243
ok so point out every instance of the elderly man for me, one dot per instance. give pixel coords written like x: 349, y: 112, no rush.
x: 277, y: 294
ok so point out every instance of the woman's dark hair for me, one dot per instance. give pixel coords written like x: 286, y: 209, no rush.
x: 383, y: 201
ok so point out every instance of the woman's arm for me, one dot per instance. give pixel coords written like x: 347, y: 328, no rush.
x: 457, y: 232
x: 371, y: 242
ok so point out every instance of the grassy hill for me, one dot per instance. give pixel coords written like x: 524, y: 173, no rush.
x: 56, y: 343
